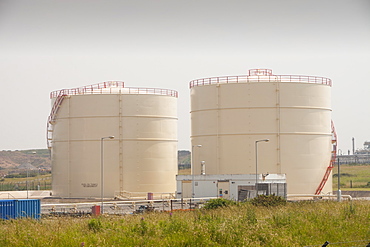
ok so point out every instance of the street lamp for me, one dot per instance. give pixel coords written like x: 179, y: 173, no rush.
x: 28, y: 169
x: 102, y: 169
x: 256, y: 148
x: 192, y: 169
x: 339, y: 193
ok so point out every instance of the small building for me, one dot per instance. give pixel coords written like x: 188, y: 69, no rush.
x: 236, y: 187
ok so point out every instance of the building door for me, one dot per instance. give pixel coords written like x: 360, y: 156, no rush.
x: 223, y: 188
x: 186, y: 189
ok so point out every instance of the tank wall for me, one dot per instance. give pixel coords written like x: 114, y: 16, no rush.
x: 147, y: 168
x: 141, y: 158
x: 227, y: 120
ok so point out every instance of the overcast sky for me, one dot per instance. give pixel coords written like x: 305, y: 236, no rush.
x: 46, y: 45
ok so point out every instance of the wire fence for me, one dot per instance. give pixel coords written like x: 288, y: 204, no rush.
x: 24, y: 185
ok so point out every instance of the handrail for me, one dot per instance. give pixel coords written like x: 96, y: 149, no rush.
x: 260, y: 78
x: 112, y: 87
x: 90, y: 89
x: 51, y: 119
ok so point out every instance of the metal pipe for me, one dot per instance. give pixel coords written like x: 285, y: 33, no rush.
x: 192, y: 170
x: 339, y: 193
x: 309, y: 195
x: 102, y: 170
x: 203, y: 170
x: 256, y: 149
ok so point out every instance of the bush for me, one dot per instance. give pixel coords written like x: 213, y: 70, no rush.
x: 95, y: 225
x: 219, y: 202
x: 268, y: 201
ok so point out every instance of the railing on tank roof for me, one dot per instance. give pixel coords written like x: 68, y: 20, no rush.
x: 112, y: 87
x: 260, y: 78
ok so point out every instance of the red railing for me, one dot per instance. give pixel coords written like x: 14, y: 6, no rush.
x: 332, y: 160
x: 90, y: 89
x: 112, y: 87
x: 260, y: 78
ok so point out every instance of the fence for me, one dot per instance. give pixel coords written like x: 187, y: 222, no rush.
x: 31, y: 185
x: 353, y: 159
x: 123, y: 207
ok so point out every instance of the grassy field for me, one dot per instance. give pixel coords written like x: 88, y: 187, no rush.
x: 294, y: 224
x: 358, y: 174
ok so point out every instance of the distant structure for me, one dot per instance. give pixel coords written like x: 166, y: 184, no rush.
x: 365, y: 150
x: 286, y: 117
x: 113, y: 140
x: 361, y: 156
x: 237, y: 187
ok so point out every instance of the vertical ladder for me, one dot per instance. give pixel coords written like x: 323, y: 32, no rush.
x: 332, y: 160
x: 51, y: 119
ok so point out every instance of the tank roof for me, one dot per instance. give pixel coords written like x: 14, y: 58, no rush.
x: 260, y: 75
x: 112, y: 87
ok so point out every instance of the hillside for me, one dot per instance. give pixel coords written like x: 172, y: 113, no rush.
x: 11, y: 160
x: 40, y: 158
x: 184, y: 159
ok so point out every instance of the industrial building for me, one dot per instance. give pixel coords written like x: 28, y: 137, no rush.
x: 110, y: 140
x: 237, y: 187
x: 265, y: 123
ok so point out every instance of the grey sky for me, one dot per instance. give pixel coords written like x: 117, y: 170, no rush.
x: 47, y: 45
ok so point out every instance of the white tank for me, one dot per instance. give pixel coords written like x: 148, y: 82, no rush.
x: 141, y: 158
x: 230, y: 114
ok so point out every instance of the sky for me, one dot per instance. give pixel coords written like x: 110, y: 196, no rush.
x: 47, y: 45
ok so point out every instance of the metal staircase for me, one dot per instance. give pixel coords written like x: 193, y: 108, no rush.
x: 51, y: 119
x: 332, y: 160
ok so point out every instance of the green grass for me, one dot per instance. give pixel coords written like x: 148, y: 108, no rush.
x: 294, y: 224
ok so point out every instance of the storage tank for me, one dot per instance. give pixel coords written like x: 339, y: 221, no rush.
x: 232, y: 115
x: 141, y: 158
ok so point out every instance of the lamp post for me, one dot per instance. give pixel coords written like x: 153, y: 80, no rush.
x: 102, y: 170
x: 339, y: 193
x: 256, y: 148
x: 192, y: 169
x: 28, y: 169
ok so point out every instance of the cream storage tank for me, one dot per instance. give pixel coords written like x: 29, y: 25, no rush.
x: 232, y: 115
x: 142, y: 156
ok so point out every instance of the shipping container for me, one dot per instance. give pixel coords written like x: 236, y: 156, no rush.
x: 25, y: 208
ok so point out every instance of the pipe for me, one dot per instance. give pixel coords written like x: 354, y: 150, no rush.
x: 311, y: 195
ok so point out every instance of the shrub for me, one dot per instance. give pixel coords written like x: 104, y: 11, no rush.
x: 268, y: 201
x: 219, y: 202
x: 94, y: 225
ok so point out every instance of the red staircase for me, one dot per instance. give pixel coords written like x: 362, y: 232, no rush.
x: 51, y: 119
x: 332, y: 160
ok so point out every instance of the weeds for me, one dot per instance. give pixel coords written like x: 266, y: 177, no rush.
x: 218, y: 202
x: 292, y: 224
x: 95, y: 225
x: 268, y: 201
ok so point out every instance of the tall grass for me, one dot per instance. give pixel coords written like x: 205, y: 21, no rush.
x: 293, y: 224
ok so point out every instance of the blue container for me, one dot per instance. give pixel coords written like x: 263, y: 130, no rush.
x: 26, y: 208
